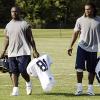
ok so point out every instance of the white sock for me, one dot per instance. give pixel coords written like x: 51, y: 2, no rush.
x: 79, y: 87
x: 79, y: 84
x: 28, y: 83
x: 90, y: 87
x: 15, y: 89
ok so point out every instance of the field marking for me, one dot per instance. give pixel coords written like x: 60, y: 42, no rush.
x: 72, y: 74
x: 4, y: 74
x: 96, y: 85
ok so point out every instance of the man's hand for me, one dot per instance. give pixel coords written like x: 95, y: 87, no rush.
x: 69, y: 51
x: 35, y: 54
x: 2, y: 55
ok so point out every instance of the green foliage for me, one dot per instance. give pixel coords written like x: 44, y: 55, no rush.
x: 5, y: 6
x: 46, y: 13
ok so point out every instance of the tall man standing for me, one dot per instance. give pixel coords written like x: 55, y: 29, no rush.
x: 19, y: 40
x: 88, y: 27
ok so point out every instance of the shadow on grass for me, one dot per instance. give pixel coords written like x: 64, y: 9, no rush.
x: 60, y: 94
x: 65, y: 94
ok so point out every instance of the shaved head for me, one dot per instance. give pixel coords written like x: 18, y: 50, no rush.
x: 15, y: 11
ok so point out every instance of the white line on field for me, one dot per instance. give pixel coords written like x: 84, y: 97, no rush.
x: 4, y: 74
x: 72, y: 74
x: 96, y: 85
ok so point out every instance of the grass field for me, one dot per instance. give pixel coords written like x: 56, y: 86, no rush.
x: 55, y: 43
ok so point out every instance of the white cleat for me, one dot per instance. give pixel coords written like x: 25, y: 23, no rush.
x: 15, y: 91
x: 78, y: 93
x: 79, y: 90
x: 29, y: 88
x: 90, y: 91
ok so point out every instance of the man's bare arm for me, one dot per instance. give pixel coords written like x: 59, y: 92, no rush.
x: 73, y: 40
x: 32, y: 42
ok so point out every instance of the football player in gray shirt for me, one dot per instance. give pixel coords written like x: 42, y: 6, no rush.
x: 87, y: 27
x: 19, y: 41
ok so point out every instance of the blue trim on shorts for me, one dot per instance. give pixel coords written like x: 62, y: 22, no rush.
x: 19, y: 64
x: 86, y: 60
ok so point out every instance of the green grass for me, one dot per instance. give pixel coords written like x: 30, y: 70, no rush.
x: 48, y: 33
x: 62, y: 68
x: 52, y: 33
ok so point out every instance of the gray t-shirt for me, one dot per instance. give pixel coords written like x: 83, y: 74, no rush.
x: 18, y: 44
x: 89, y: 33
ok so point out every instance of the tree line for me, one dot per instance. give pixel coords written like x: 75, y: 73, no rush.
x: 46, y: 13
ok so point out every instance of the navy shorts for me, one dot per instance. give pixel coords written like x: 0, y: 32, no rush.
x: 86, y: 60
x: 19, y: 64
